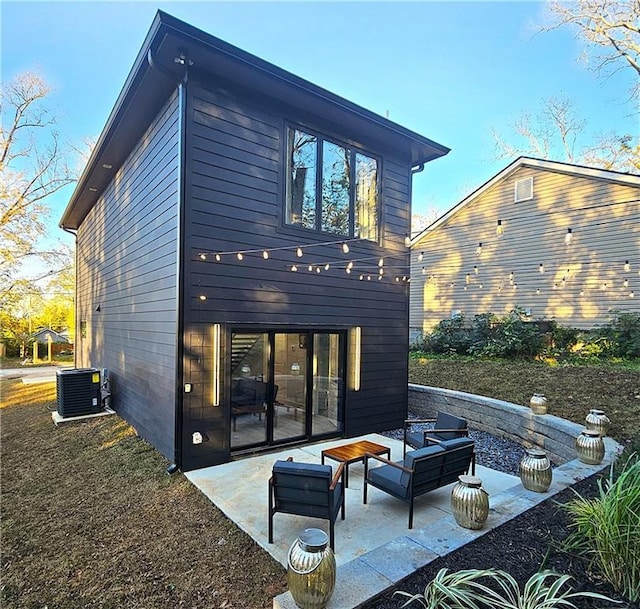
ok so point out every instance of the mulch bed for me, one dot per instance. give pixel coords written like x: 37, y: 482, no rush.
x: 527, y: 544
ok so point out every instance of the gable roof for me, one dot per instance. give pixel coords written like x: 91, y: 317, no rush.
x: 618, y: 177
x: 42, y: 336
x: 155, y: 74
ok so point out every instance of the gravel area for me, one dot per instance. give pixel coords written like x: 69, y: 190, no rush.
x: 495, y: 452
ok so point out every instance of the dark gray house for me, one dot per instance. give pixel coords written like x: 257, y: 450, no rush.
x: 242, y: 261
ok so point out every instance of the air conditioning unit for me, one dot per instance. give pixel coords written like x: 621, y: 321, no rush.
x: 78, y: 392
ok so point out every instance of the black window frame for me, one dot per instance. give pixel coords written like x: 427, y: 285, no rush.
x: 353, y: 150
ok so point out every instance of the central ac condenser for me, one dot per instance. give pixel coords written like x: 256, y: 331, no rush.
x: 78, y: 392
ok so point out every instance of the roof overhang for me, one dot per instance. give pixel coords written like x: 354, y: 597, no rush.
x: 147, y: 89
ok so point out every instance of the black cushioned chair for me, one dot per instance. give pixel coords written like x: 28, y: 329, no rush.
x: 306, y: 489
x: 421, y: 470
x: 445, y: 427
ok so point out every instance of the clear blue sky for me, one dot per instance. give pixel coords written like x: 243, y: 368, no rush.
x: 451, y: 71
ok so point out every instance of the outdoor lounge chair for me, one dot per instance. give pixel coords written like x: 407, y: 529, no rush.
x: 446, y: 427
x: 306, y: 489
x: 420, y: 471
x: 248, y: 396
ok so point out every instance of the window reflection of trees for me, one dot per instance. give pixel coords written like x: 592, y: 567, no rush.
x: 349, y: 198
x: 336, y: 174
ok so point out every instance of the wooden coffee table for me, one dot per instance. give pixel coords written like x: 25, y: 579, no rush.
x: 351, y: 453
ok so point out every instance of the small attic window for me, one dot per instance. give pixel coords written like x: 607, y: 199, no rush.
x: 523, y: 190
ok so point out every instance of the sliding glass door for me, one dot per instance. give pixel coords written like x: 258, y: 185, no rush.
x: 286, y: 387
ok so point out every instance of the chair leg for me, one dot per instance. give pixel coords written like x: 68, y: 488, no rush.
x: 270, y: 511
x: 411, y: 513
x: 364, y: 497
x: 332, y: 535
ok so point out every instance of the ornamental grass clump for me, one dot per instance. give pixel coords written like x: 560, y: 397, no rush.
x: 464, y: 590
x: 606, y: 529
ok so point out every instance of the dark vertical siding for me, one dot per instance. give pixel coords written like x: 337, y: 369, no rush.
x: 234, y: 198
x: 127, y: 265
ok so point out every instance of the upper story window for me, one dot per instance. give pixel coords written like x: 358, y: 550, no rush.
x: 331, y: 188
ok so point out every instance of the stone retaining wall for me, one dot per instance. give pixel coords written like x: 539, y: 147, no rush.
x: 552, y: 434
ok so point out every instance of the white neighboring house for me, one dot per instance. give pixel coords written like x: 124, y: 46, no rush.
x: 560, y: 241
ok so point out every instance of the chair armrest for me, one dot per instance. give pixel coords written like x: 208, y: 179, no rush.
x: 409, y: 422
x: 337, y: 476
x: 463, y: 431
x: 368, y: 456
x: 430, y: 439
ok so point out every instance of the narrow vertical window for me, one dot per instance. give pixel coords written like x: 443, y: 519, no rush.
x: 366, y: 203
x: 336, y: 178
x: 301, y: 187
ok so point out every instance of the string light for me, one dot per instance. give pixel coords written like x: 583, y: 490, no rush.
x: 467, y: 279
x: 203, y: 256
x: 627, y: 266
x: 511, y: 277
x: 479, y: 249
x: 568, y: 237
x: 625, y: 283
x: 420, y: 256
x: 631, y: 294
x: 381, y: 262
x: 202, y: 297
x: 499, y: 228
x: 294, y: 268
x: 327, y: 267
x: 265, y: 255
x: 348, y: 270
x: 299, y: 252
x: 317, y: 269
x: 537, y: 290
x: 603, y: 287
x: 240, y: 255
x: 310, y: 267
x: 350, y: 265
x: 475, y: 269
x: 541, y: 268
x: 218, y: 257
x: 381, y: 271
x: 424, y: 270
x: 345, y: 248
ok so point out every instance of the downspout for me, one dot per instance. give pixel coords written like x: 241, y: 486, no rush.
x: 75, y: 296
x: 181, y: 82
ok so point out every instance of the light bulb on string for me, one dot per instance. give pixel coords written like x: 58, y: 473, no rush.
x: 479, y: 249
x: 625, y: 283
x: 218, y: 257
x: 317, y: 269
x: 381, y: 262
x: 299, y: 252
x: 379, y: 277
x: 420, y: 256
x: 424, y: 270
x: 348, y: 270
x: 581, y: 292
x: 381, y: 272
x: 294, y: 268
x: 327, y: 267
x: 627, y: 266
x: 310, y: 267
x: 541, y: 268
x: 603, y: 287
x: 350, y: 265
x: 345, y: 248
x: 499, y: 228
x: 368, y: 277
x: 467, y: 279
x: 511, y: 277
x: 631, y: 294
x: 202, y: 297
x: 537, y: 290
x: 203, y: 256
x: 361, y: 277
x: 265, y: 255
x: 240, y: 255
x: 475, y: 269
x: 568, y: 237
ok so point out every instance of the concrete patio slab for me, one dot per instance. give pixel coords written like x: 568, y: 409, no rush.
x: 374, y: 547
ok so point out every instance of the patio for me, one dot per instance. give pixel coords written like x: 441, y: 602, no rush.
x: 374, y: 547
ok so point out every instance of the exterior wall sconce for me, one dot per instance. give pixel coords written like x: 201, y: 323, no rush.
x: 355, y: 339
x: 216, y: 365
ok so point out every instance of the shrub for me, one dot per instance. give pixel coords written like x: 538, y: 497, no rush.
x: 508, y: 336
x: 605, y: 529
x: 464, y: 590
x: 449, y: 336
x: 622, y: 335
